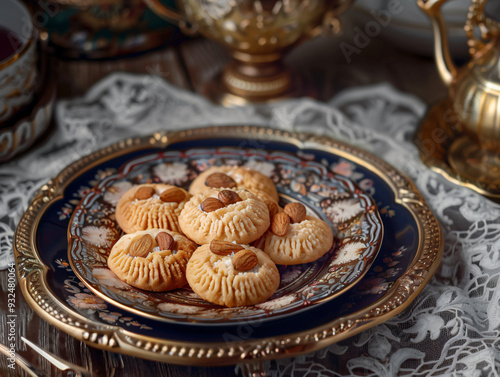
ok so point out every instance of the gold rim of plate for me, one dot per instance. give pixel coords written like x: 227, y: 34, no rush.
x: 33, y: 273
x: 445, y: 149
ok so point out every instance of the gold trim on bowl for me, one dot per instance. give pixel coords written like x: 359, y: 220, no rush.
x: 33, y: 274
x: 17, y: 55
x: 13, y: 58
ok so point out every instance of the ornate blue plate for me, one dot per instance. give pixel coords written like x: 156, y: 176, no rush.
x: 335, y: 199
x: 411, y: 250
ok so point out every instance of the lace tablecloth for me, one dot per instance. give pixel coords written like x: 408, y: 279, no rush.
x: 452, y: 328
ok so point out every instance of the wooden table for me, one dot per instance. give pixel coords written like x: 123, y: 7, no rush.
x: 189, y: 65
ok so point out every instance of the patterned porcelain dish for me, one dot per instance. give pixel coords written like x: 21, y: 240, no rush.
x: 100, y: 29
x: 411, y: 250
x: 335, y: 199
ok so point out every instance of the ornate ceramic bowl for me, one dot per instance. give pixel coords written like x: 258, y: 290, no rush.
x: 97, y: 29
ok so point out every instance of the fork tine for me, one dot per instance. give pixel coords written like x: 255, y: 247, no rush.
x: 56, y: 360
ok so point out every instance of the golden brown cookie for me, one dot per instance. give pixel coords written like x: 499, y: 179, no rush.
x: 288, y: 242
x: 239, y: 177
x: 210, y: 215
x: 149, y: 206
x: 244, y: 277
x: 153, y: 260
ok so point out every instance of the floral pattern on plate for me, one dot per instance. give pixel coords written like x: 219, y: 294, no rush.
x: 83, y: 301
x: 333, y: 198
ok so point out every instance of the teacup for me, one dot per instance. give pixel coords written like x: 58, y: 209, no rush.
x: 18, y: 57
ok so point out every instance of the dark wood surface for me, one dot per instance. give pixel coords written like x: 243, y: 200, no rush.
x: 189, y: 66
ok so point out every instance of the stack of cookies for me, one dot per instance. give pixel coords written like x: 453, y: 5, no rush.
x: 224, y: 237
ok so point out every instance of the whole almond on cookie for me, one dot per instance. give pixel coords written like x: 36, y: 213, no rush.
x: 141, y: 247
x: 164, y: 240
x: 245, y: 260
x: 220, y: 180
x: 211, y: 204
x: 296, y: 211
x: 272, y: 206
x: 229, y: 197
x: 280, y: 224
x: 224, y: 247
x: 144, y: 193
x: 173, y: 194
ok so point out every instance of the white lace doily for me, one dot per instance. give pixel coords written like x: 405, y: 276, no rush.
x: 451, y: 329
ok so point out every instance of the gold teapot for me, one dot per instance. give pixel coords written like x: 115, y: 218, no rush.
x: 474, y: 88
x: 258, y: 33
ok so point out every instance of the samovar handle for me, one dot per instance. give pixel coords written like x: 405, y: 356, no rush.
x: 172, y: 15
x: 330, y: 25
x: 477, y: 18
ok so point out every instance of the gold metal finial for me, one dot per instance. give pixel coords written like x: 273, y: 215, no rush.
x: 476, y: 18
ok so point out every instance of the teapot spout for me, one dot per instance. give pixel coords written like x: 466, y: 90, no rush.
x: 446, y: 67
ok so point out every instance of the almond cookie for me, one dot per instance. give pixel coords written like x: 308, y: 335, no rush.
x: 226, y: 215
x: 153, y: 260
x: 149, y: 206
x: 296, y: 238
x: 233, y: 177
x: 245, y: 276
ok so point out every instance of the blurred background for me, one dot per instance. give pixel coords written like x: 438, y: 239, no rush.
x: 91, y: 38
x: 75, y: 43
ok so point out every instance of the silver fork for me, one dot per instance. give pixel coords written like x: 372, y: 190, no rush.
x: 30, y: 369
x: 58, y: 361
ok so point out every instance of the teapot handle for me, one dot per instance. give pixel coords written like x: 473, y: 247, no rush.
x: 488, y: 27
x: 171, y: 15
x: 330, y: 24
